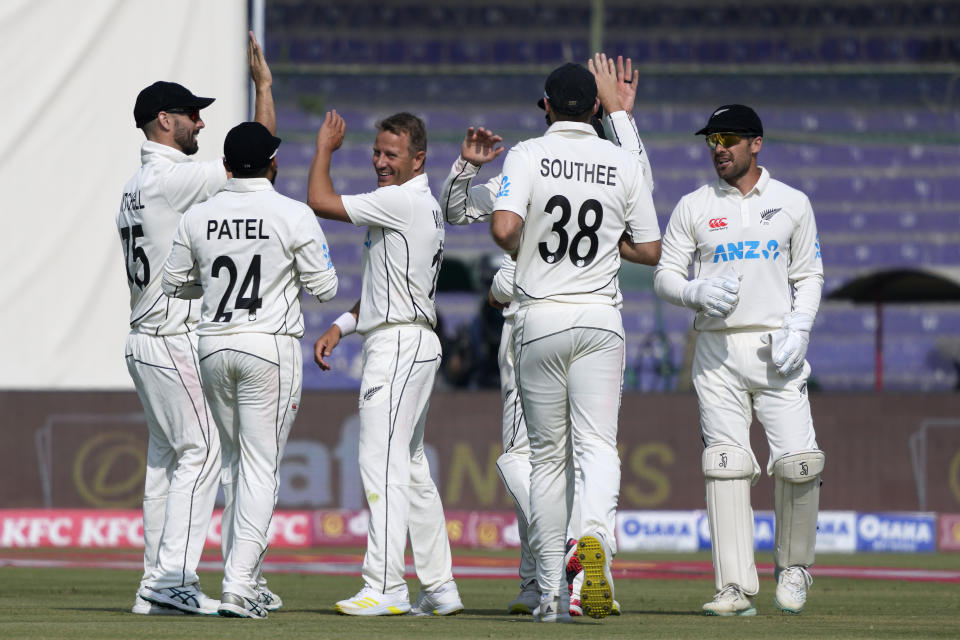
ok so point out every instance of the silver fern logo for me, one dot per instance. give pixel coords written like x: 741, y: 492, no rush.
x: 767, y: 215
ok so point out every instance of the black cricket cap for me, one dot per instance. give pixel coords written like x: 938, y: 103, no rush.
x: 161, y: 96
x: 249, y: 146
x: 571, y: 90
x: 733, y: 118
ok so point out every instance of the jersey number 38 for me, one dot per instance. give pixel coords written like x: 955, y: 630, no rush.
x: 586, y: 232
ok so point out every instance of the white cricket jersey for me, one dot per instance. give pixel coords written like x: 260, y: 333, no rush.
x: 577, y: 194
x: 769, y: 236
x: 153, y: 202
x: 402, y: 253
x: 248, y: 250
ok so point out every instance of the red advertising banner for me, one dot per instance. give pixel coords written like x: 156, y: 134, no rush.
x: 948, y: 524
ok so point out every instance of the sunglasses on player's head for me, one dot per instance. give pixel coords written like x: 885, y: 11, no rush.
x: 192, y: 113
x: 724, y: 139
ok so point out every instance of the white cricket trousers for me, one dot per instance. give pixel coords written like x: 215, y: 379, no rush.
x: 734, y: 375
x: 253, y: 383
x: 183, y: 457
x: 569, y: 370
x: 514, y: 464
x: 399, y: 367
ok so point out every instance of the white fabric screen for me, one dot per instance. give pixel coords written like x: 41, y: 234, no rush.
x: 68, y: 144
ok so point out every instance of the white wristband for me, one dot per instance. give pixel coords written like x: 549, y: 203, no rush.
x: 347, y: 323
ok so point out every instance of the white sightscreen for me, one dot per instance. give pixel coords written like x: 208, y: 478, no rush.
x: 68, y: 143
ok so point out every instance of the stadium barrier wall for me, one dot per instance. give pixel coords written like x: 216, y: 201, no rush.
x: 887, y: 452
x: 678, y: 531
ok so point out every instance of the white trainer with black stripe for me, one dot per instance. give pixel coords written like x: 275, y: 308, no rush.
x: 268, y: 599
x: 188, y: 598
x: 371, y: 602
x: 236, y: 606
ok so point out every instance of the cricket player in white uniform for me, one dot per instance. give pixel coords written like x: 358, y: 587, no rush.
x: 463, y: 204
x: 569, y: 205
x: 247, y: 251
x: 756, y: 290
x: 402, y: 254
x: 183, y: 450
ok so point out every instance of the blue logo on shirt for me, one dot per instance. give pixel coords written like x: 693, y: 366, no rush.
x: 366, y: 241
x: 816, y: 245
x: 504, y: 187
x: 326, y: 254
x: 746, y: 250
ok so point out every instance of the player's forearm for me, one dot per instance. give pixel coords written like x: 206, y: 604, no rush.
x: 320, y: 194
x: 502, y: 286
x: 669, y: 285
x: 461, y: 203
x: 180, y: 287
x: 264, y: 110
x: 806, y: 294
x: 621, y: 129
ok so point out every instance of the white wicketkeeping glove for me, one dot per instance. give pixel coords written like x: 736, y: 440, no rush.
x: 716, y: 297
x: 788, y: 345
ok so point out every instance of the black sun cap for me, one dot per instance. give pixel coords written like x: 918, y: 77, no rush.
x: 161, y: 96
x: 733, y: 118
x: 571, y: 90
x: 249, y: 146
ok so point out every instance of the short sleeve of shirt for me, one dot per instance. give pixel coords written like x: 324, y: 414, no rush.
x: 386, y: 207
x: 188, y: 183
x: 515, y: 183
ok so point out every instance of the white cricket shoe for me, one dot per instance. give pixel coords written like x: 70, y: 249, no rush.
x: 553, y: 607
x: 527, y: 601
x: 146, y: 608
x: 268, y: 599
x: 730, y: 601
x: 792, y: 585
x: 188, y: 598
x: 236, y: 606
x: 370, y: 602
x: 442, y: 601
x: 596, y: 593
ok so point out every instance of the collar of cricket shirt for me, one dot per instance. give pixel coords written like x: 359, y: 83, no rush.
x: 567, y: 125
x: 248, y: 184
x: 150, y: 148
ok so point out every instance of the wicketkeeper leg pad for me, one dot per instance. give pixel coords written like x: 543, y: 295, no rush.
x: 729, y: 471
x: 796, y: 503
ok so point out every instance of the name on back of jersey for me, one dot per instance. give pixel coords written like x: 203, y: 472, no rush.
x: 588, y: 172
x: 131, y: 201
x: 236, y: 229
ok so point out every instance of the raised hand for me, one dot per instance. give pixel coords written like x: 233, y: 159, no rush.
x: 627, y: 81
x: 330, y: 135
x: 605, y: 73
x: 480, y: 146
x: 259, y: 70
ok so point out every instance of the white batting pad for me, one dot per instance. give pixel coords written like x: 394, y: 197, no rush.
x: 796, y: 502
x: 728, y: 470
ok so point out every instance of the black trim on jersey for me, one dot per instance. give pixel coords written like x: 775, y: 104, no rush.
x: 196, y: 481
x: 166, y: 316
x: 517, y: 419
x: 386, y: 270
x: 512, y: 495
x: 556, y: 333
x: 697, y: 268
x: 518, y: 327
x: 465, y: 200
x: 140, y: 317
x: 434, y: 359
x: 246, y: 353
x: 417, y: 309
x: 283, y: 325
x: 600, y: 288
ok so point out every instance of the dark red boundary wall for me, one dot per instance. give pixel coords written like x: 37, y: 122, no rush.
x: 86, y: 449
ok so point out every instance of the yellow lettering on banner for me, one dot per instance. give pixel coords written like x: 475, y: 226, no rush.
x: 641, y: 461
x: 96, y: 460
x: 954, y: 477
x: 483, y: 482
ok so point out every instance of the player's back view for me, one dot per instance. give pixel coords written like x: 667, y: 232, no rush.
x: 569, y: 205
x: 247, y: 251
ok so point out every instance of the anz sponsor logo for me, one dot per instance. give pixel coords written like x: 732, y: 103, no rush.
x: 746, y: 250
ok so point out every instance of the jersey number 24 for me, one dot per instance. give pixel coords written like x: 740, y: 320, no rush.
x: 251, y: 283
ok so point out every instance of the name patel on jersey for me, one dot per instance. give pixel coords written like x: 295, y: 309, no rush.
x: 242, y: 229
x: 579, y: 171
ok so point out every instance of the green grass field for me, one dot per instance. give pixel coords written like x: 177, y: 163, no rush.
x: 37, y: 604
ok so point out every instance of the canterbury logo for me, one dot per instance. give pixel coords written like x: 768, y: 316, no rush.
x: 766, y: 216
x: 718, y: 223
x: 369, y: 393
